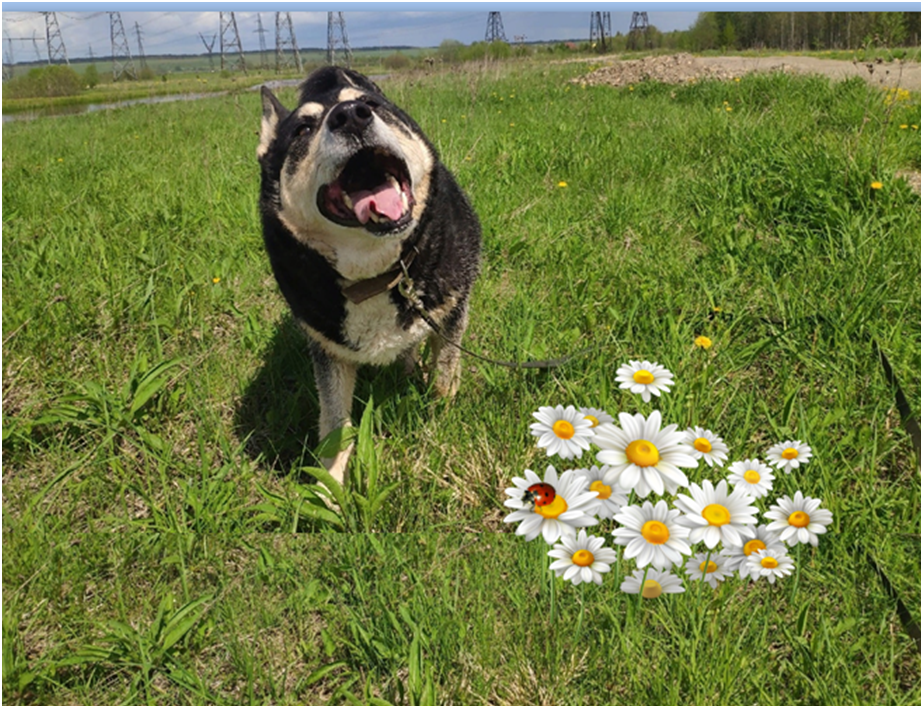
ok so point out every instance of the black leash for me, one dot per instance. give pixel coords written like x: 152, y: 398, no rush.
x: 406, y: 288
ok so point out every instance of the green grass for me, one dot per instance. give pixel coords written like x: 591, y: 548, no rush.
x: 159, y: 408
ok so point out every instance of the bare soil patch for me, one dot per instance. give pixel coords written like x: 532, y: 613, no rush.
x: 682, y: 68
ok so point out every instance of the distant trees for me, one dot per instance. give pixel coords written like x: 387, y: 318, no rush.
x: 802, y: 30
x: 45, y: 82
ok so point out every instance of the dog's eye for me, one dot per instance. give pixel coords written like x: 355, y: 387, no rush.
x: 302, y: 129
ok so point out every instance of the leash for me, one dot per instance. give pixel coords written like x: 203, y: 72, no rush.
x: 407, y: 289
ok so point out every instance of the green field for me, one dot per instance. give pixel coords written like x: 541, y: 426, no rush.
x: 159, y: 409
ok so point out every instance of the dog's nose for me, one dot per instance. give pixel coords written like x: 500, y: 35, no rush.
x: 350, y: 117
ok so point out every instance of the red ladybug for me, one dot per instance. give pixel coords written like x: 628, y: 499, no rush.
x: 540, y: 494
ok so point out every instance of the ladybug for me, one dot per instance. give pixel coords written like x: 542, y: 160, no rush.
x: 540, y: 494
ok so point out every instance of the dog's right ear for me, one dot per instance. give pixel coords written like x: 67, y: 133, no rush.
x: 273, y: 114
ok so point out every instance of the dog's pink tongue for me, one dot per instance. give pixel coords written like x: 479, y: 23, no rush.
x: 384, y: 200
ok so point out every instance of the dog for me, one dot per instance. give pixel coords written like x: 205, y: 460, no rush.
x: 373, y: 244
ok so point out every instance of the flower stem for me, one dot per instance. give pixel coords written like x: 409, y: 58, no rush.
x: 797, y: 573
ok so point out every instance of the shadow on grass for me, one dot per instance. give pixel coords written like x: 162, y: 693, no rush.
x: 279, y: 411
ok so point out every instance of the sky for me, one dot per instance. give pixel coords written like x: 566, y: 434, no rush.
x: 174, y: 28
x: 178, y: 32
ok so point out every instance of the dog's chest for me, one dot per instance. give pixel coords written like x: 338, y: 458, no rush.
x: 373, y: 333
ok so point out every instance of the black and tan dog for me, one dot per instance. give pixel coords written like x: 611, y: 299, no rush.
x: 354, y: 199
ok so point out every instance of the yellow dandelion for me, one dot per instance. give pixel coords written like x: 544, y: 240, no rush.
x: 904, y: 126
x: 216, y: 280
x: 631, y: 88
x: 703, y: 341
x: 60, y: 159
x: 737, y: 79
x: 915, y: 127
x: 464, y: 116
x: 877, y: 185
x: 728, y: 109
x: 443, y: 120
x: 562, y: 183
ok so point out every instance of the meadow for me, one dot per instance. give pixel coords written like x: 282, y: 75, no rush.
x: 159, y: 410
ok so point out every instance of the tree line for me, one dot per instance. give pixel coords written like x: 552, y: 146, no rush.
x: 802, y: 31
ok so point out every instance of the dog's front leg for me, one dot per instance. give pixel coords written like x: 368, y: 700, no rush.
x: 445, y: 372
x: 336, y: 380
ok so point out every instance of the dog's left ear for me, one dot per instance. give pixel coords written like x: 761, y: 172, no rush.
x: 273, y: 114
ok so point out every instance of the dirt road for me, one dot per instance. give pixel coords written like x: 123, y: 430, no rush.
x: 906, y: 76
x: 680, y: 68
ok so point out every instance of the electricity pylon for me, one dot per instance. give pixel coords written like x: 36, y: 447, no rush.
x: 122, y: 64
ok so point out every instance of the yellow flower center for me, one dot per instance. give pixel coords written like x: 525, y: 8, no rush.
x: 655, y: 532
x: 642, y: 453
x: 752, y: 476
x: 594, y: 421
x: 603, y: 491
x: 563, y: 429
x: 789, y: 453
x: 769, y: 562
x: 643, y: 377
x: 702, y: 445
x: 712, y: 567
x: 799, y: 519
x: 753, y: 546
x: 651, y: 589
x: 583, y: 558
x: 716, y: 515
x: 553, y: 510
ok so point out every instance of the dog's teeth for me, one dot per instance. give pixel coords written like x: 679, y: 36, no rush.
x: 394, y: 183
x: 347, y: 201
x: 374, y: 217
x: 404, y: 202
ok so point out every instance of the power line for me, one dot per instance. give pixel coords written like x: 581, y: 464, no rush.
x: 230, y: 38
x: 140, y: 47
x: 210, y: 48
x: 8, y: 61
x: 639, y: 27
x: 285, y: 37
x: 336, y: 25
x: 259, y: 30
x: 494, y: 31
x: 53, y: 39
x: 122, y: 64
x: 600, y: 29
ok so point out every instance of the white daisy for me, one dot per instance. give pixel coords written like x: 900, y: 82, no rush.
x: 706, y: 445
x: 769, y: 563
x: 652, y: 535
x: 654, y: 583
x: 609, y: 496
x: 798, y: 520
x: 714, y: 515
x: 581, y: 559
x: 562, y: 431
x: 644, y: 457
x: 715, y: 570
x: 551, y: 516
x: 644, y: 377
x: 753, y: 476
x: 788, y: 455
x: 595, y: 416
x: 760, y: 538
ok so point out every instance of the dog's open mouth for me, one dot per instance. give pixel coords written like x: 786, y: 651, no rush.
x: 372, y: 191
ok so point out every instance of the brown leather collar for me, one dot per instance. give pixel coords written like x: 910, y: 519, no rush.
x: 362, y: 290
